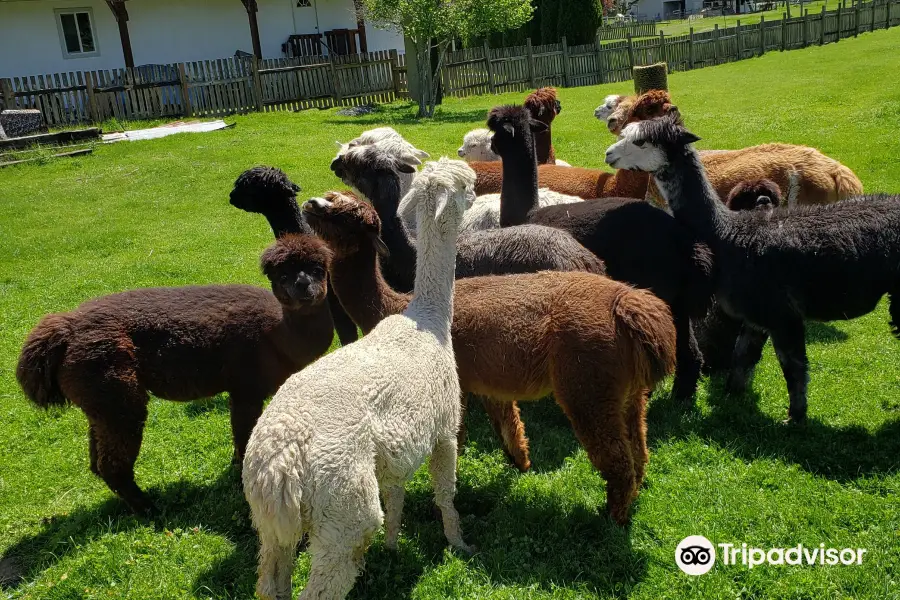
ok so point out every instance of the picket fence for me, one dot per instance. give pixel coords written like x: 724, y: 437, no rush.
x: 241, y: 85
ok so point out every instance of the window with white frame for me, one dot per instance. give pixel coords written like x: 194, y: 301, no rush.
x: 76, y: 32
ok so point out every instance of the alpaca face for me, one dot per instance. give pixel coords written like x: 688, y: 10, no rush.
x: 514, y: 130
x: 760, y: 195
x: 603, y: 111
x: 255, y: 188
x: 650, y: 145
x: 442, y: 192
x: 477, y: 147
x: 649, y: 105
x: 344, y: 222
x: 297, y: 268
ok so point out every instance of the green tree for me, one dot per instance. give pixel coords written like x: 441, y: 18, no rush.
x: 549, y: 14
x: 578, y: 20
x: 432, y: 24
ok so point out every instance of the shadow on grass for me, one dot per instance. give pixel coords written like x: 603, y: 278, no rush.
x: 405, y: 114
x: 538, y: 541
x: 824, y: 333
x: 736, y: 422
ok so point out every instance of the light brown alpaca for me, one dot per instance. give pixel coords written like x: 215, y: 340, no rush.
x: 803, y: 174
x: 598, y: 345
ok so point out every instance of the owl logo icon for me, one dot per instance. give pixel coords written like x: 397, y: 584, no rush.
x: 695, y: 555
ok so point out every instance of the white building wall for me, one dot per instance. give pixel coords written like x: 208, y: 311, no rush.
x: 166, y: 31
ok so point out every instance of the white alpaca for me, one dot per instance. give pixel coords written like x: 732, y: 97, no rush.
x: 610, y: 103
x: 363, y: 419
x: 477, y: 147
x: 485, y: 211
x: 396, y: 145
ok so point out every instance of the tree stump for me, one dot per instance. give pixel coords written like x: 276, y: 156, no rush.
x: 650, y: 77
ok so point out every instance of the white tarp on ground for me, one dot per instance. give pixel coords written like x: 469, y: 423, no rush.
x: 164, y: 130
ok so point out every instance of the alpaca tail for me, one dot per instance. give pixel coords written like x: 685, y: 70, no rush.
x: 43, y: 352
x: 647, y: 322
x: 846, y: 183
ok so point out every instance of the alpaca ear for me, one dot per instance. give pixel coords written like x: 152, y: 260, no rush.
x: 510, y: 129
x: 537, y: 126
x: 421, y: 154
x: 296, y: 188
x: 689, y: 138
x: 406, y: 168
x: 380, y: 247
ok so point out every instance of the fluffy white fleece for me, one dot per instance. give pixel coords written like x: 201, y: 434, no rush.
x: 363, y: 419
x: 485, y: 211
x: 477, y: 147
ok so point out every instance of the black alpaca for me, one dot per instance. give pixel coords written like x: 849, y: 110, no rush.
x: 268, y: 191
x: 375, y: 169
x: 718, y: 333
x: 822, y: 262
x: 638, y: 243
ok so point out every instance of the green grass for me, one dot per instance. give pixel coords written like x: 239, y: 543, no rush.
x: 157, y: 213
x: 683, y: 26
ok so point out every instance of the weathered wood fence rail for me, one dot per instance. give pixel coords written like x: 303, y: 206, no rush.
x: 239, y: 85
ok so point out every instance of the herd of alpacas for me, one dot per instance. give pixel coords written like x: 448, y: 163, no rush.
x: 506, y: 277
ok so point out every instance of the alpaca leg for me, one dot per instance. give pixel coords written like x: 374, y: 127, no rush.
x: 443, y: 478
x: 688, y: 359
x: 393, y: 495
x: 246, y: 407
x: 747, y: 351
x: 276, y: 563
x: 343, y: 324
x: 894, y: 310
x: 790, y: 348
x: 92, y: 449
x: 716, y: 337
x: 461, y: 433
x: 637, y: 433
x: 507, y: 423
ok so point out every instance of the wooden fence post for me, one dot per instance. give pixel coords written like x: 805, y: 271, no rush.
x: 335, y: 84
x: 395, y: 71
x: 257, y: 83
x: 565, y: 62
x: 840, y: 27
x: 716, y: 44
x: 185, y: 91
x: 529, y: 51
x: 489, y: 67
x: 783, y: 32
x: 762, y: 35
x: 93, y: 106
x: 630, y: 52
x: 662, y: 48
x: 805, y: 28
x: 856, y: 30
x: 8, y: 99
x: 691, y: 47
x: 890, y: 5
x: 822, y: 33
x: 740, y: 45
x: 599, y: 47
x: 872, y: 10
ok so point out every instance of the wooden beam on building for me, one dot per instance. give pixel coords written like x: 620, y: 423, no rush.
x: 361, y: 26
x: 121, y: 14
x: 252, y: 9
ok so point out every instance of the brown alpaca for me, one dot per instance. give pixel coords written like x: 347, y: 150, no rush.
x: 544, y: 106
x: 180, y: 343
x: 598, y: 345
x: 758, y: 194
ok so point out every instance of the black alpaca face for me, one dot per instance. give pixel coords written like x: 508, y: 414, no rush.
x: 558, y: 106
x: 650, y: 145
x: 256, y: 187
x: 513, y: 128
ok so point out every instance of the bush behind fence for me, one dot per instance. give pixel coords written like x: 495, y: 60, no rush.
x: 240, y: 85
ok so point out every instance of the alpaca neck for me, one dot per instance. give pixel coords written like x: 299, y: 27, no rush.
x: 312, y: 324
x: 432, y: 303
x: 544, y: 147
x: 365, y: 295
x: 385, y: 196
x: 519, y: 190
x: 685, y: 188
x: 286, y: 217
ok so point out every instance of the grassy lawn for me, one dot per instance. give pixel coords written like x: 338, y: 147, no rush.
x: 157, y: 213
x: 683, y: 26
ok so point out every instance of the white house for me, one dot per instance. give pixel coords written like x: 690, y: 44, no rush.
x: 51, y: 36
x: 664, y: 9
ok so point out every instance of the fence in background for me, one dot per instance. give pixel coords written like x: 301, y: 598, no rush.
x: 483, y: 70
x: 240, y: 85
x: 209, y: 88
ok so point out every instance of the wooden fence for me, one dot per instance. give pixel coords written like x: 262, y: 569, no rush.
x: 209, y: 88
x: 482, y: 70
x: 238, y: 85
x: 620, y: 32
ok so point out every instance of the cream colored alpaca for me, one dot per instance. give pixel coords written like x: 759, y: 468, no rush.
x: 477, y: 147
x: 363, y: 419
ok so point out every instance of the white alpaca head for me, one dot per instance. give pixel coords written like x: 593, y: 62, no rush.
x: 441, y: 192
x: 477, y: 146
x: 375, y: 136
x: 610, y: 103
x: 647, y: 145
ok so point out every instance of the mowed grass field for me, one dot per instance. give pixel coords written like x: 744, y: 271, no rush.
x: 156, y: 213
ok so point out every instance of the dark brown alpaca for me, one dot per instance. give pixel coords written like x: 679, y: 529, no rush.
x: 599, y: 346
x: 756, y: 194
x: 181, y: 344
x: 544, y: 106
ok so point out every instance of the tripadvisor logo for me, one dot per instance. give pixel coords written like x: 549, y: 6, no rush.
x: 696, y: 555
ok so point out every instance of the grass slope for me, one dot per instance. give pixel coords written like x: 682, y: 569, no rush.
x: 156, y: 213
